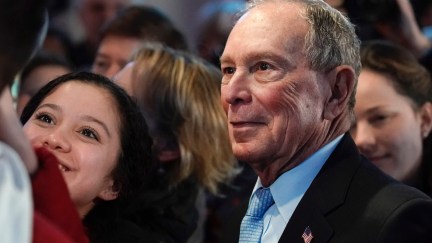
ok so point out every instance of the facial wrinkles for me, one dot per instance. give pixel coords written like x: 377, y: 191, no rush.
x: 303, y: 112
x: 290, y: 116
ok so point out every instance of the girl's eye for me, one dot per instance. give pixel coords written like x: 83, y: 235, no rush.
x: 88, y: 132
x: 44, y: 118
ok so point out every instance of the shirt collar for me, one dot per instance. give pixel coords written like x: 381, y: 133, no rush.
x: 290, y: 187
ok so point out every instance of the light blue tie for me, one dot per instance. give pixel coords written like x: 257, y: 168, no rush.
x: 252, y: 225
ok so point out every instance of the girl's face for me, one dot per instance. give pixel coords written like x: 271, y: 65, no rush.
x: 388, y: 128
x: 79, y: 124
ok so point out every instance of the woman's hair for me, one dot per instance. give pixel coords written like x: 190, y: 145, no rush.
x: 147, y: 24
x: 180, y: 94
x: 410, y: 79
x: 135, y: 161
x: 408, y: 76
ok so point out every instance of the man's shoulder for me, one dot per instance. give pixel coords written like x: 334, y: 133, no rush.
x: 380, y: 209
x: 398, y: 213
x: 377, y: 186
x: 388, y: 199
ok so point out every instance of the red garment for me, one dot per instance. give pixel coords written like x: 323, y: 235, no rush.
x: 55, y: 216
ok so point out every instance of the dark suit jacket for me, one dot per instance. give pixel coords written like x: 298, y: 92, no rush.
x: 351, y: 201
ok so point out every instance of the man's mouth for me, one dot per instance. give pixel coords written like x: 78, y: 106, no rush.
x: 245, y: 123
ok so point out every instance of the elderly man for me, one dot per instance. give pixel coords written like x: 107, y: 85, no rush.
x: 289, y: 74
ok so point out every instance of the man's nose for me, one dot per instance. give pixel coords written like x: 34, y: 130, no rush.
x: 237, y: 90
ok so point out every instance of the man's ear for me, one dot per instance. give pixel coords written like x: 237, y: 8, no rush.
x: 342, y: 83
x: 426, y: 119
x: 109, y: 192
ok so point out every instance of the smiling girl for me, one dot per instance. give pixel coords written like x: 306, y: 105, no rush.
x: 100, y: 140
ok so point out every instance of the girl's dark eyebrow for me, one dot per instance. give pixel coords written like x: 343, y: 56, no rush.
x: 49, y: 105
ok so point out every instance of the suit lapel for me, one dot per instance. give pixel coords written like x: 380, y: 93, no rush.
x: 305, y: 216
x: 326, y: 193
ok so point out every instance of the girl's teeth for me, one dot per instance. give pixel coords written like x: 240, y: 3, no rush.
x: 62, y: 168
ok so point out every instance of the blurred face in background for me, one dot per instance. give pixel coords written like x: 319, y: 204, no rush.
x: 113, y: 54
x: 388, y: 127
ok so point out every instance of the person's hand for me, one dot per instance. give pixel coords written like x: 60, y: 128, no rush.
x: 12, y: 134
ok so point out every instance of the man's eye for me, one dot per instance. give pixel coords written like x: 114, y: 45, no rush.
x: 100, y: 64
x: 228, y: 70
x: 263, y: 66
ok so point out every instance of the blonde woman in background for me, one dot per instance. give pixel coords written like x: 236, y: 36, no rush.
x: 179, y: 95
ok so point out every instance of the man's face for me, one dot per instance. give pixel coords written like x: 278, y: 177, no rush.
x: 273, y: 99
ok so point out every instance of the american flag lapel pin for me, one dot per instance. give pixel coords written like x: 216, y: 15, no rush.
x: 307, y: 235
